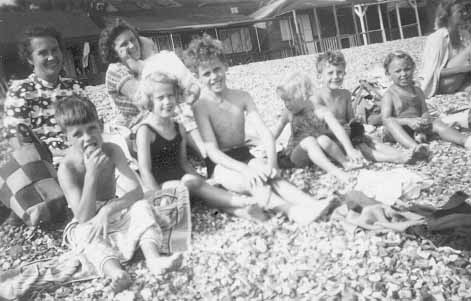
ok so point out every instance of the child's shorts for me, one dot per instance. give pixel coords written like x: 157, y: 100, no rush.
x: 241, y: 153
x: 126, y: 232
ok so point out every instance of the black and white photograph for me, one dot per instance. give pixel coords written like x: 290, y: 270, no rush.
x: 235, y: 150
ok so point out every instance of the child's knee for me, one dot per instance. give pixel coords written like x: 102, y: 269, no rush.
x: 192, y: 181
x: 324, y: 141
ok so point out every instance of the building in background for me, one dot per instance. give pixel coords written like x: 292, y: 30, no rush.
x: 251, y: 30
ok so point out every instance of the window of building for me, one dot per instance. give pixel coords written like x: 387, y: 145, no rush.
x: 285, y: 29
x: 236, y: 40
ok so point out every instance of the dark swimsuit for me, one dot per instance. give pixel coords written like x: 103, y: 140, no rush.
x: 164, y: 157
x: 241, y: 153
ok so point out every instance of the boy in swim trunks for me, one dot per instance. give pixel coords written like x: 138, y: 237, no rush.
x: 405, y: 115
x: 331, y: 70
x: 220, y: 114
x: 106, y: 229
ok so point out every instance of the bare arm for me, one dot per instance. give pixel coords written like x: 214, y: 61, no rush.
x: 183, y: 156
x: 134, y: 192
x: 335, y: 127
x: 349, y: 107
x: 455, y: 70
x: 263, y: 131
x: 284, y: 119
x: 81, y: 198
x: 143, y: 141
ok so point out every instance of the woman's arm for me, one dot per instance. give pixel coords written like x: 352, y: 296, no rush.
x: 143, y: 140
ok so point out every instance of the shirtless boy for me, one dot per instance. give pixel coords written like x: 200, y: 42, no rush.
x: 106, y: 228
x: 331, y: 70
x: 220, y: 114
x: 405, y: 115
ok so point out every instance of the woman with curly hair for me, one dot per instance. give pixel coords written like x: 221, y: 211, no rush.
x: 447, y: 53
x: 127, y: 54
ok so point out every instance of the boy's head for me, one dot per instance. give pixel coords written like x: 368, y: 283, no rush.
x: 331, y: 69
x: 158, y: 92
x: 205, y: 57
x: 400, y: 66
x: 294, y: 90
x: 78, y: 118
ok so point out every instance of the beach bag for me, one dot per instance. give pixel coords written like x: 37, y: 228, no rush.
x: 171, y: 206
x: 28, y: 181
x: 366, y: 103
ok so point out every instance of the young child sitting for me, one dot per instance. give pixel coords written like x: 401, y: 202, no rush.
x: 331, y: 70
x: 106, y: 229
x: 405, y: 115
x: 311, y: 126
x: 161, y: 149
x: 220, y: 114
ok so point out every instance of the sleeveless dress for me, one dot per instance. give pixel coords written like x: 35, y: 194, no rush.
x: 164, y: 157
x: 303, y: 125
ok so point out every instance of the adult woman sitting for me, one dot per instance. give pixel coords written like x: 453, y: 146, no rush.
x: 125, y: 51
x: 31, y: 100
x: 447, y: 53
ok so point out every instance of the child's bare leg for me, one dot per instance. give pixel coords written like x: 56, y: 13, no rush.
x: 331, y: 147
x: 399, y: 134
x: 120, y: 279
x: 381, y: 152
x: 157, y: 264
x: 450, y: 134
x: 238, y: 205
x: 310, y: 149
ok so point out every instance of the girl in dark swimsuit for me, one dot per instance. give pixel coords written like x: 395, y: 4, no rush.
x: 162, y: 155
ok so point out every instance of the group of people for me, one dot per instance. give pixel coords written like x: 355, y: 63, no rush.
x: 168, y: 104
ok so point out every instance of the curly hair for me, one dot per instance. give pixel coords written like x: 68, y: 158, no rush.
x: 295, y: 86
x: 335, y: 58
x: 203, y: 49
x: 398, y: 54
x: 75, y: 110
x: 107, y: 37
x: 24, y: 44
x: 147, y: 85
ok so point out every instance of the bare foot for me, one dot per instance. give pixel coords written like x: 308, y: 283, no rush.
x: 407, y: 157
x: 120, y: 280
x: 351, y: 165
x: 164, y: 264
x: 251, y: 212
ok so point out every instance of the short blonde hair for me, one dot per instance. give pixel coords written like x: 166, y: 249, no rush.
x: 146, y: 86
x: 295, y: 85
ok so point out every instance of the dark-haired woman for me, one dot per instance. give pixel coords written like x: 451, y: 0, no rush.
x: 125, y: 51
x: 31, y: 100
x: 447, y: 53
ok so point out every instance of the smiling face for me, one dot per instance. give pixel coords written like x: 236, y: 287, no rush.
x: 212, y: 74
x: 86, y: 137
x: 164, y: 100
x: 332, y: 75
x: 401, y: 72
x: 46, y: 58
x: 126, y: 45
